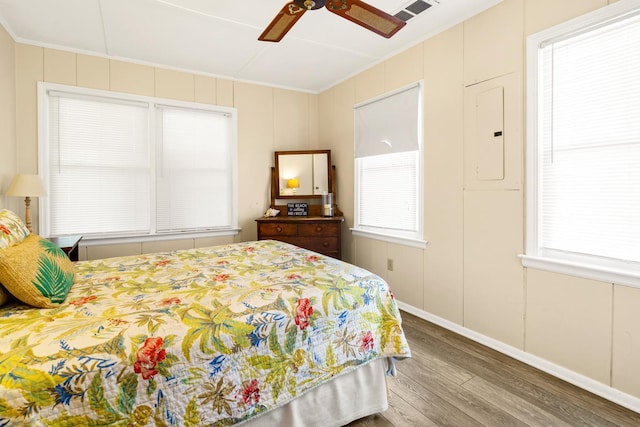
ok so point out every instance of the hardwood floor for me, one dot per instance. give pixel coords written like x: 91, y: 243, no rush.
x: 453, y: 381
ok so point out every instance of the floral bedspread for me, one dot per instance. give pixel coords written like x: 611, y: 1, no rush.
x: 208, y: 336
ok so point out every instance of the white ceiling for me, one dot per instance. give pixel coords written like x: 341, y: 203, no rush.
x: 219, y: 37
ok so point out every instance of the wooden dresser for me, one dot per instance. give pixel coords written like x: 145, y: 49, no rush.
x: 316, y: 233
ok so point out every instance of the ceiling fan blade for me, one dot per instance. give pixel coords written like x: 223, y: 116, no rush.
x: 366, y: 16
x: 282, y: 23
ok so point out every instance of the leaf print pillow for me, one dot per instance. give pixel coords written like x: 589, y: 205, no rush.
x: 12, y: 229
x: 36, y: 272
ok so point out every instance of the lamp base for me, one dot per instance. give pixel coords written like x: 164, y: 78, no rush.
x: 27, y: 213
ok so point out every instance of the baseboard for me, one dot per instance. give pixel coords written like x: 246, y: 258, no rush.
x: 579, y: 380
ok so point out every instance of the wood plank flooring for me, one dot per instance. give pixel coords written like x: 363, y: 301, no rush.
x: 453, y: 381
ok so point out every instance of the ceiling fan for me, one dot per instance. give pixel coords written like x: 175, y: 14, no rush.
x: 355, y: 11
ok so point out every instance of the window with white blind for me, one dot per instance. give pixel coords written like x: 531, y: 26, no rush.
x: 388, y: 167
x: 118, y: 165
x: 584, y: 146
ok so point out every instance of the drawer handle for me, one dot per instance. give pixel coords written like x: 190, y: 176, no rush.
x: 318, y: 228
x: 325, y: 244
x: 278, y: 229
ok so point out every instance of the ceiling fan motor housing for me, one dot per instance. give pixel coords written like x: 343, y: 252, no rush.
x: 310, y: 4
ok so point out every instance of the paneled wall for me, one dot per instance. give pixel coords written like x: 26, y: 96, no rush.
x: 269, y: 119
x: 7, y: 119
x: 469, y: 277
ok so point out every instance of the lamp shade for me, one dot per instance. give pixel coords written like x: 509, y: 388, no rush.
x: 25, y: 185
x: 293, y: 183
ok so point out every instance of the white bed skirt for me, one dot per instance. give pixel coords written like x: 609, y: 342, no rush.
x: 336, y: 403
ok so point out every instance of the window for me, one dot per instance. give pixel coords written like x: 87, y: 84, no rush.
x: 583, y: 146
x: 119, y: 165
x: 388, y: 167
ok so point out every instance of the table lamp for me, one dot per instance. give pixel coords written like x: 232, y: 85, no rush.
x: 27, y: 186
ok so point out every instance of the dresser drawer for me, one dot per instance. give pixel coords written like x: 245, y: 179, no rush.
x: 318, y: 229
x: 277, y: 229
x: 318, y: 234
x: 323, y: 245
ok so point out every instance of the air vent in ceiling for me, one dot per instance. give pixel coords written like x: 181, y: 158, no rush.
x: 413, y: 8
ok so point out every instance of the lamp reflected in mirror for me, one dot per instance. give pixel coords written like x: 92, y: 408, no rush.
x: 293, y: 184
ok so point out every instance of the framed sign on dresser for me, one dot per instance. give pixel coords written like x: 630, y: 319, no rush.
x: 305, y: 178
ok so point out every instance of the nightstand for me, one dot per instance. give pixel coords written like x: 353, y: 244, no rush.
x: 68, y: 244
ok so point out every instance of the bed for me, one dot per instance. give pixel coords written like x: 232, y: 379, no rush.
x: 254, y: 333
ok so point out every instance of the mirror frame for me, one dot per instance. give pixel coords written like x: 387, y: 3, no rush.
x: 277, y: 154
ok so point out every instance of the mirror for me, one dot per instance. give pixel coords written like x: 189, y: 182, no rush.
x: 303, y: 174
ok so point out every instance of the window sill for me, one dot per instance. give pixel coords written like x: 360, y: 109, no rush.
x: 406, y: 241
x: 99, y: 241
x: 586, y: 271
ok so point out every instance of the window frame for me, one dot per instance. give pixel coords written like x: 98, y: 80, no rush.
x: 403, y: 238
x: 153, y: 103
x: 584, y: 266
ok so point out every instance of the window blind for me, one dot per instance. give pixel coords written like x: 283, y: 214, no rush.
x: 130, y: 166
x: 388, y: 192
x: 99, y: 166
x: 194, y: 170
x: 589, y: 188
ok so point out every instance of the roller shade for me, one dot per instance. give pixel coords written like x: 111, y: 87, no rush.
x: 388, y: 124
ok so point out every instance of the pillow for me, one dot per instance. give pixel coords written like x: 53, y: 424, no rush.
x: 12, y: 229
x: 37, y: 272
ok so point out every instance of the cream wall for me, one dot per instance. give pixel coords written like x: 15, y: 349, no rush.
x: 7, y: 119
x: 269, y: 119
x: 469, y: 277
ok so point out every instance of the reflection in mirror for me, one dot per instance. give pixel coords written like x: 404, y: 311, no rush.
x: 303, y: 173
x: 296, y: 174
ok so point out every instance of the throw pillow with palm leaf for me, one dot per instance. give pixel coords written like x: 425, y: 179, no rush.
x: 36, y: 272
